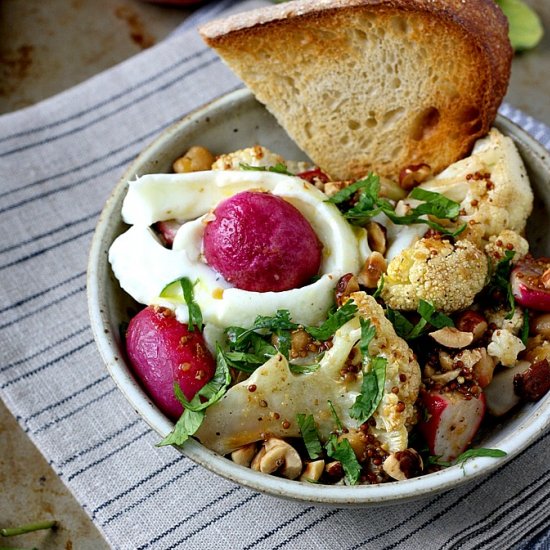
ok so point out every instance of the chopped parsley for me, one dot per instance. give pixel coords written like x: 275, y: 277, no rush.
x: 193, y: 414
x: 374, y: 377
x: 171, y: 291
x: 306, y: 423
x: 429, y: 316
x: 334, y: 321
x: 250, y: 348
x: 467, y: 455
x: 369, y: 204
x: 343, y: 452
x: 500, y: 281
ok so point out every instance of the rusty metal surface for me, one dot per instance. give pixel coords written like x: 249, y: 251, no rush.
x: 47, y: 47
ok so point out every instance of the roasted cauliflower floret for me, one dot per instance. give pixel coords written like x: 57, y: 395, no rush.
x: 506, y: 241
x: 260, y: 157
x: 505, y: 347
x: 253, y: 156
x: 445, y: 274
x: 491, y: 187
x: 243, y: 416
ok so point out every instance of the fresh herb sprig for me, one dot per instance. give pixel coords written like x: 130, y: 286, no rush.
x: 250, y: 348
x: 193, y: 414
x: 500, y: 281
x: 195, y: 314
x: 369, y: 204
x: 306, y: 423
x: 429, y: 316
x: 374, y: 377
x: 467, y: 455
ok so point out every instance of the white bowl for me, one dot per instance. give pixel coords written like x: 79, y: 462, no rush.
x: 237, y: 121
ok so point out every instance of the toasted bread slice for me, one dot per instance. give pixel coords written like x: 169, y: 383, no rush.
x: 373, y: 85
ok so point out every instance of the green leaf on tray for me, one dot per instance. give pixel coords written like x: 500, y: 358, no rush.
x: 525, y: 27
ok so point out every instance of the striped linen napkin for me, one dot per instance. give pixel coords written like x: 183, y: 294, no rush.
x: 59, y: 160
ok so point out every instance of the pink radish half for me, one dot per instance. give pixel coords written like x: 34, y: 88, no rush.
x: 451, y: 422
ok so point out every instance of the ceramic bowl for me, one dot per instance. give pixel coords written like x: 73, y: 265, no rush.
x: 237, y: 121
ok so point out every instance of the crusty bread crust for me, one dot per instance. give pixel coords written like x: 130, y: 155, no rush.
x: 373, y: 85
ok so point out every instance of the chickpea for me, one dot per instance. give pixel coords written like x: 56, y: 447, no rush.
x: 194, y: 160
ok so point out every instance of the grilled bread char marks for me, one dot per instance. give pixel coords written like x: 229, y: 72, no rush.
x: 377, y: 85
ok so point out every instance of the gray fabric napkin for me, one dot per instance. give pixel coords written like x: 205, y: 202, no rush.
x: 59, y: 160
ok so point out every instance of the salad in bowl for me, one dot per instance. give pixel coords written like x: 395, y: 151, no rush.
x: 293, y: 333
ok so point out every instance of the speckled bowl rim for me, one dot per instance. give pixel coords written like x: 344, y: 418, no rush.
x: 536, y: 421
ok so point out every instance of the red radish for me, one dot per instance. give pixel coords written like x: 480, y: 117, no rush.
x: 260, y: 242
x: 530, y: 282
x: 163, y: 351
x: 168, y: 230
x: 451, y: 422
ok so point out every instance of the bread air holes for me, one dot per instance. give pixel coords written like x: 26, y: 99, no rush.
x: 471, y: 117
x: 400, y: 25
x: 425, y: 123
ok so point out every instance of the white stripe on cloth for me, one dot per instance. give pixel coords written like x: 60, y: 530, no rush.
x: 59, y: 161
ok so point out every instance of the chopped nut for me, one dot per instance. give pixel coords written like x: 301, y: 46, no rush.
x: 347, y: 285
x: 446, y: 377
x: 483, y: 369
x: 244, y: 455
x: 451, y: 337
x: 413, y: 175
x: 334, y: 470
x: 534, y: 383
x: 472, y: 321
x: 373, y: 269
x: 313, y: 471
x: 403, y: 464
x: 277, y: 455
x: 446, y: 361
x: 376, y: 236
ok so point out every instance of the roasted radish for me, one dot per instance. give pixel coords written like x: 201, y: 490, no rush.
x: 163, y: 351
x: 530, y: 281
x: 450, y: 422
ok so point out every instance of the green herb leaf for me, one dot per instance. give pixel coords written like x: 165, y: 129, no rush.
x: 369, y: 204
x: 435, y: 318
x: 212, y: 391
x: 525, y: 27
x: 466, y: 455
x: 342, y: 451
x: 480, y: 452
x: 334, y: 321
x: 189, y: 422
x: 525, y: 327
x: 335, y: 417
x: 374, y: 376
x: 303, y: 369
x: 429, y: 316
x: 279, y: 168
x: 368, y: 332
x: 403, y: 327
x: 500, y: 281
x: 193, y: 414
x: 28, y: 528
x: 195, y: 314
x: 372, y: 390
x: 306, y: 423
x: 379, y: 287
